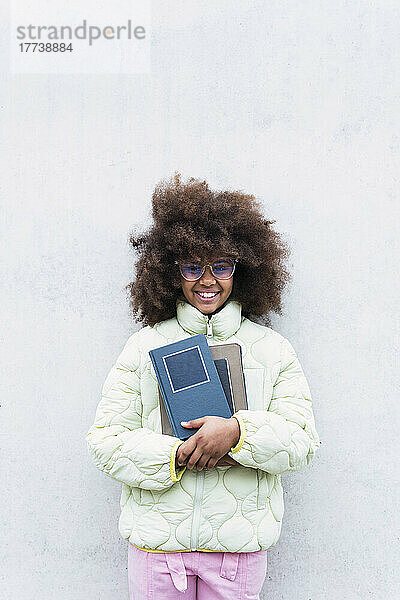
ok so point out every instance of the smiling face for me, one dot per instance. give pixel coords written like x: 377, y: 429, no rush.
x: 208, y: 293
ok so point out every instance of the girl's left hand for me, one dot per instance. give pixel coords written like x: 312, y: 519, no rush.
x: 214, y: 439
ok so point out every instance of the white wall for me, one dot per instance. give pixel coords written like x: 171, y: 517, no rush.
x: 295, y: 102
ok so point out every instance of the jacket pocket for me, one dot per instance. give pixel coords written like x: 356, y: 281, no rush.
x: 254, y: 380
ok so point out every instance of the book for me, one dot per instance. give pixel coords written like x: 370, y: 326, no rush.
x: 234, y: 388
x: 233, y: 353
x: 224, y: 377
x: 189, y: 382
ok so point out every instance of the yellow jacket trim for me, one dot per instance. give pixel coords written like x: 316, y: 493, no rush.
x: 171, y: 551
x: 242, y: 426
x: 174, y: 475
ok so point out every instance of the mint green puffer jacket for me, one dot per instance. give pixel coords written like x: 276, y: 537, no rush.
x: 227, y: 508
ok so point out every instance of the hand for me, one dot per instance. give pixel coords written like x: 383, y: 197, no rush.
x: 210, y: 443
x: 226, y: 461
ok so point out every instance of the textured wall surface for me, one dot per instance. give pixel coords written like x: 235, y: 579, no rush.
x: 297, y: 103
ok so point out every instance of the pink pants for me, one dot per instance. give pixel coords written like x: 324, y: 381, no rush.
x: 195, y: 575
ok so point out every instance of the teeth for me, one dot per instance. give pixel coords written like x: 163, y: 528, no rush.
x: 207, y: 294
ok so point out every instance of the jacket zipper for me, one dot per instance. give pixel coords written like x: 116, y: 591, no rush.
x: 196, y: 512
x: 199, y: 482
x: 209, y: 327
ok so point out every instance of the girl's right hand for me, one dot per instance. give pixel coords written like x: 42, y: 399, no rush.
x: 224, y: 461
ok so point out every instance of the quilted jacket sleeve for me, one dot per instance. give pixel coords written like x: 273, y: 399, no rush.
x: 117, y: 442
x: 282, y: 438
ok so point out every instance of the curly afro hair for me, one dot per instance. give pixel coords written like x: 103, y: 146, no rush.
x: 192, y: 221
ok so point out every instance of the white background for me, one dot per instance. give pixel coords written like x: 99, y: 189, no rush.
x: 297, y: 103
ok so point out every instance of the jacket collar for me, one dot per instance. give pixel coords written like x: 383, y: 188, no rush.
x: 224, y: 323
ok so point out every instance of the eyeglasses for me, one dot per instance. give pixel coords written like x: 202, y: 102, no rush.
x: 222, y: 268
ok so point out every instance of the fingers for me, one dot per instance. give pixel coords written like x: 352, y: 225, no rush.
x: 202, y: 462
x: 194, y: 423
x: 185, y: 450
x: 211, y: 463
x: 194, y: 457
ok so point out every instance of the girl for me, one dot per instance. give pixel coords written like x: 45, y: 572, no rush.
x: 200, y: 514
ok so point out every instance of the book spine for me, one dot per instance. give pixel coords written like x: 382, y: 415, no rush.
x: 164, y: 395
x: 170, y: 416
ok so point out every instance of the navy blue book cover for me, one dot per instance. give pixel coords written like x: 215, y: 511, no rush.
x: 189, y: 382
